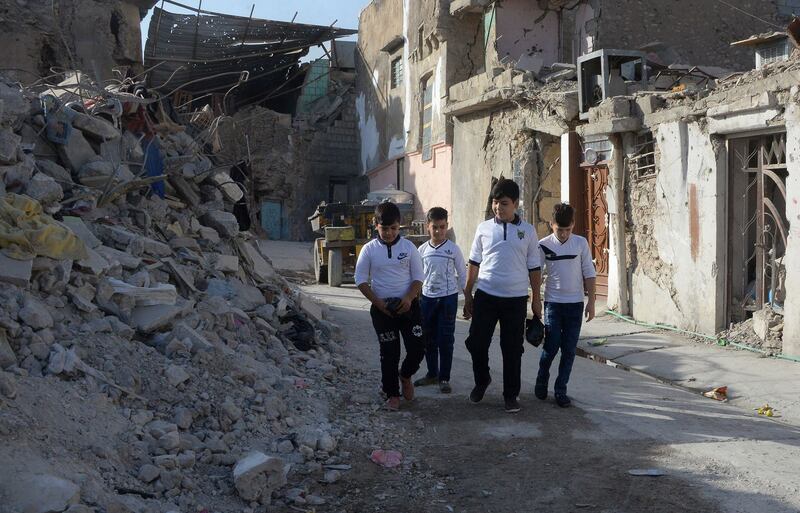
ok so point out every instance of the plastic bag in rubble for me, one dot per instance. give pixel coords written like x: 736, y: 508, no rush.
x: 25, y: 232
x: 388, y: 459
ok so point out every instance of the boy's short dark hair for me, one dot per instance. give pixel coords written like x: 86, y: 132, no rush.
x: 387, y: 214
x: 436, y: 214
x: 563, y: 214
x: 505, y: 188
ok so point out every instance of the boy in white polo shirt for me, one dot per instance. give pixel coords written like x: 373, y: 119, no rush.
x: 389, y: 274
x: 569, y: 272
x: 445, y: 276
x: 504, y: 260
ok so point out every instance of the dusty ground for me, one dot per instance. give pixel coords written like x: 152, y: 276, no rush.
x: 461, y: 457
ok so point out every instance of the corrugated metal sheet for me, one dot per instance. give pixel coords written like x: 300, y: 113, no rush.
x: 207, y: 53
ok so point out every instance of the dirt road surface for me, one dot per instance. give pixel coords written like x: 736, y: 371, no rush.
x: 462, y: 457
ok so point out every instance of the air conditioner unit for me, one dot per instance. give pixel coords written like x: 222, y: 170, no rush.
x: 607, y: 73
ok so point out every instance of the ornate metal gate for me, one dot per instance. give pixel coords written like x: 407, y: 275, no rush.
x: 597, y: 223
x: 758, y: 225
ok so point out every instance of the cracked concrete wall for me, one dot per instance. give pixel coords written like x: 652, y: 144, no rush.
x: 530, y: 34
x: 673, y: 228
x: 500, y: 144
x: 90, y: 35
x: 698, y: 33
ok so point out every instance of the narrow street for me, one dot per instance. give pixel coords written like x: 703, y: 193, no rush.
x: 475, y: 458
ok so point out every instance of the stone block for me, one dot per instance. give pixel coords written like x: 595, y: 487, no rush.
x: 115, y: 256
x: 225, y: 263
x: 151, y: 318
x: 257, y: 475
x: 224, y: 223
x: 16, y: 272
x: 95, y: 127
x: 9, y: 144
x: 77, y: 152
x: 56, y: 172
x: 44, y: 189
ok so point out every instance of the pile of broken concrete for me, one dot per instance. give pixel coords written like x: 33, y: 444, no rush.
x: 150, y: 357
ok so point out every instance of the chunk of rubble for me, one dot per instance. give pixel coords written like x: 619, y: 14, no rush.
x: 257, y: 475
x: 15, y: 272
x: 223, y: 222
x: 39, y: 493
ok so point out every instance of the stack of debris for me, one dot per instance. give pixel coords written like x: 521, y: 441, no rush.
x: 149, y: 353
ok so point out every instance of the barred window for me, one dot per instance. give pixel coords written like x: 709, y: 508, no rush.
x: 397, y: 72
x: 644, y: 157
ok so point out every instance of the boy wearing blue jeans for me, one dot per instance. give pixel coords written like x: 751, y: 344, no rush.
x: 504, y: 259
x: 445, y: 277
x: 569, y: 273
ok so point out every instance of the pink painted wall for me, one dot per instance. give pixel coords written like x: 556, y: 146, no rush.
x: 429, y: 181
x: 526, y: 42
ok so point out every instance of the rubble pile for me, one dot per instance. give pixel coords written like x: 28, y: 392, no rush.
x: 151, y: 359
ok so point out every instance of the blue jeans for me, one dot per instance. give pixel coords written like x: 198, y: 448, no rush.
x: 439, y: 324
x: 562, y: 323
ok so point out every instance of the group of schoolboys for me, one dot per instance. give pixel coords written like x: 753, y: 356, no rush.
x: 414, y: 293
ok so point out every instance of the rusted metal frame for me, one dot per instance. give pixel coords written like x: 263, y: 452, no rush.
x: 158, y: 26
x: 247, y: 28
x: 777, y: 218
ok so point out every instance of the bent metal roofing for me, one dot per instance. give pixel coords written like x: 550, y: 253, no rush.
x: 208, y: 52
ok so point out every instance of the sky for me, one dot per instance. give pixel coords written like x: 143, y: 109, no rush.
x: 314, y: 12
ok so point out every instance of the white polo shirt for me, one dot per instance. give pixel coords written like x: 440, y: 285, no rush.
x: 391, y: 268
x: 506, y: 253
x: 566, y: 265
x: 444, y: 267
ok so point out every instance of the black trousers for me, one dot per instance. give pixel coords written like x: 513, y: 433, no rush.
x: 389, y: 330
x: 487, y: 310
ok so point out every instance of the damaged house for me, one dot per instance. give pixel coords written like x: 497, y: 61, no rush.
x: 283, y: 133
x: 526, y: 76
x: 702, y: 199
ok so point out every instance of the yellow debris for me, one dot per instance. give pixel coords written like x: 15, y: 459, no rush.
x: 26, y: 232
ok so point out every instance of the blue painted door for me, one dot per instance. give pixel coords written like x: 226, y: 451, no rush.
x: 271, y: 219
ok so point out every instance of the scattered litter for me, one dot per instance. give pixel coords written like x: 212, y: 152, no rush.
x: 654, y: 472
x: 388, y: 459
x: 767, y: 411
x: 595, y: 343
x: 718, y: 394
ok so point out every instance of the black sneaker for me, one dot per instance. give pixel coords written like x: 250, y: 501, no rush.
x: 512, y: 405
x: 444, y: 387
x: 477, y: 393
x: 562, y: 400
x: 540, y: 391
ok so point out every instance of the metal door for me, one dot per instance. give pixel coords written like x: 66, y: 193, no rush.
x: 271, y: 219
x: 597, y: 223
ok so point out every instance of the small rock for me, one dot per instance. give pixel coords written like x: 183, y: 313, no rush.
x: 8, y: 385
x: 230, y: 410
x: 257, y: 475
x: 176, y: 375
x: 285, y: 446
x: 170, y: 441
x: 35, y: 315
x: 149, y: 473
x: 184, y: 418
x: 332, y: 476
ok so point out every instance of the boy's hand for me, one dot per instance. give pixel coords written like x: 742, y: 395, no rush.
x: 405, y: 305
x: 536, y: 308
x: 380, y: 304
x: 467, y: 306
x: 589, y: 311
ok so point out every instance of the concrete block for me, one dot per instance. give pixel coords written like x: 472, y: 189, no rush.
x: 611, y: 108
x: 224, y: 223
x: 95, y: 127
x: 226, y: 263
x: 648, y: 104
x: 150, y: 318
x: 9, y: 143
x: 16, y: 272
x: 115, y: 256
x: 77, y: 152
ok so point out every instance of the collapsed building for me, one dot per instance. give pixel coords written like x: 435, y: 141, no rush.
x: 562, y: 96
x: 286, y: 131
x: 151, y: 358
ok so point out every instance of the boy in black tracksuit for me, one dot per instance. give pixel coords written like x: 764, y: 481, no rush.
x: 389, y: 274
